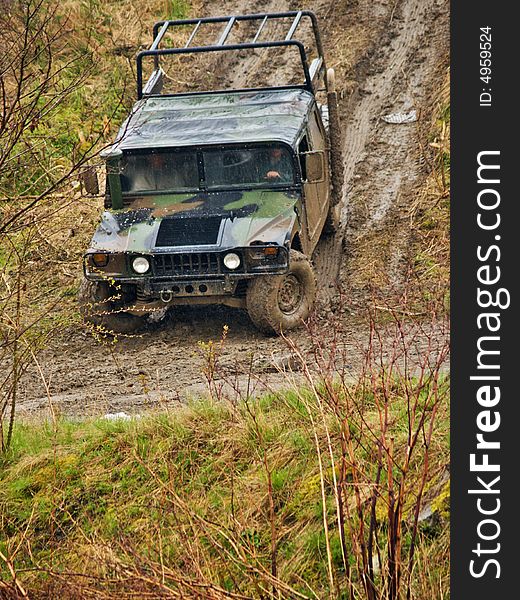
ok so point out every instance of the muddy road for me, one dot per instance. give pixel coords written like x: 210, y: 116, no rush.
x: 389, y: 56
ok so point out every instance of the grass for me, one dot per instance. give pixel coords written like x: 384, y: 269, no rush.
x: 189, y: 504
x: 431, y: 211
x: 186, y: 494
x: 94, y: 57
x: 93, y: 50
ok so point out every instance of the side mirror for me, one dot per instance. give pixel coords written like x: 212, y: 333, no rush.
x: 113, y: 157
x: 89, y: 181
x: 314, y: 166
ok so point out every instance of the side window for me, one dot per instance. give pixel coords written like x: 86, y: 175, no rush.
x: 303, y: 147
x: 316, y: 132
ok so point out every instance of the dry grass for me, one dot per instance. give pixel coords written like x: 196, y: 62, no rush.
x: 430, y: 213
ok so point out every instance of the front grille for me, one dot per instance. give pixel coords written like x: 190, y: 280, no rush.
x: 187, y: 265
x: 188, y: 231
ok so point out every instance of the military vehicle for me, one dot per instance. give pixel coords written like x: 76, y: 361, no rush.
x: 220, y: 196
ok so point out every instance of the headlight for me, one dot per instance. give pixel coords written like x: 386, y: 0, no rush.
x: 232, y: 261
x: 141, y: 265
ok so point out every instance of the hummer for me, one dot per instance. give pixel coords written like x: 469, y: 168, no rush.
x: 217, y: 197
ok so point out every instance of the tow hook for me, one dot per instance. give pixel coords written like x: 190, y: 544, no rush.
x: 166, y: 296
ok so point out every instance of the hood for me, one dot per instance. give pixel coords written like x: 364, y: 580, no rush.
x: 218, y: 220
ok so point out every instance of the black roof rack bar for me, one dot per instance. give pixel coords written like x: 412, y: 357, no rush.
x: 271, y: 88
x: 251, y: 17
x: 194, y: 49
x: 161, y: 27
x: 264, y: 21
x: 294, y: 25
x: 226, y: 32
x: 192, y: 35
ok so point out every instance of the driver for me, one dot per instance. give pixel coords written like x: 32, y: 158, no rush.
x: 279, y: 167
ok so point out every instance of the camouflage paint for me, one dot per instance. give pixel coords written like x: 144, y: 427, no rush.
x: 250, y: 216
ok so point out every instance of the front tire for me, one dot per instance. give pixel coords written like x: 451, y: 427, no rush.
x: 100, y: 304
x: 277, y: 303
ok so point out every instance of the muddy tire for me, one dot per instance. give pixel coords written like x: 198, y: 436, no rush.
x: 97, y: 300
x: 277, y: 303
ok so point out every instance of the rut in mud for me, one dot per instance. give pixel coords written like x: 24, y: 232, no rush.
x: 389, y: 57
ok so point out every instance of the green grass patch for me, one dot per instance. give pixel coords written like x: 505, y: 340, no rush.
x: 197, y: 481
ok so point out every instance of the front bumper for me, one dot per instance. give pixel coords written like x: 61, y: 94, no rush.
x: 169, y: 271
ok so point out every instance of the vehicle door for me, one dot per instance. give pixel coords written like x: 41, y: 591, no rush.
x: 315, y: 188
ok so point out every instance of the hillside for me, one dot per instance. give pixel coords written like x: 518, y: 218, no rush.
x: 314, y: 465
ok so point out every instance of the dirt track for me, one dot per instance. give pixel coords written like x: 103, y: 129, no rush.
x: 389, y: 56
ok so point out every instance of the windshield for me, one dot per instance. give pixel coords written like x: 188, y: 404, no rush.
x: 244, y: 167
x: 173, y: 171
x: 161, y: 171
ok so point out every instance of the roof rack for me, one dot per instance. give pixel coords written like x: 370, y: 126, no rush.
x: 155, y: 82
